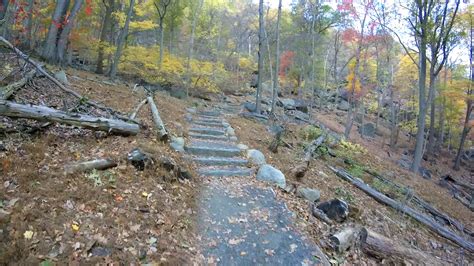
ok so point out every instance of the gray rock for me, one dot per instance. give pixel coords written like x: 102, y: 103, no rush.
x: 367, y: 130
x: 335, y: 209
x: 310, y: 194
x: 188, y: 117
x: 425, y: 173
x: 242, y: 146
x: 225, y: 124
x: 61, y: 76
x: 178, y: 93
x: 229, y: 131
x: 177, y: 144
x: 233, y: 138
x: 403, y: 163
x: 256, y: 157
x: 270, y: 174
x: 138, y: 159
x: 288, y: 103
x: 251, y: 107
x: 191, y: 110
x: 343, y: 105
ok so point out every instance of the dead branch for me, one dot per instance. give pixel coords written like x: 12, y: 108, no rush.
x: 43, y: 113
x: 157, y: 119
x: 98, y: 164
x: 137, y: 109
x: 427, y: 221
x: 59, y: 84
x: 7, y: 91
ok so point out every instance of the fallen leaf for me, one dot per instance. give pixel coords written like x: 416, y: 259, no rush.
x: 234, y: 241
x: 144, y: 194
x: 293, y: 248
x: 75, y: 227
x: 269, y: 252
x: 28, y: 234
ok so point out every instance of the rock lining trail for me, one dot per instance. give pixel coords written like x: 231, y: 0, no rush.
x: 239, y: 223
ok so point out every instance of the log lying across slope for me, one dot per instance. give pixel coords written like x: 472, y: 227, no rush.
x: 420, y: 217
x: 43, y: 113
x: 7, y: 91
x: 157, y: 119
x: 99, y: 164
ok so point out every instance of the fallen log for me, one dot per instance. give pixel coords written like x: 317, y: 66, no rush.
x: 384, y: 248
x: 157, y: 119
x: 7, y: 91
x: 425, y: 205
x: 320, y: 214
x: 254, y: 115
x: 427, y: 221
x: 344, y: 239
x: 59, y: 84
x: 98, y: 164
x: 137, y: 109
x: 43, y: 113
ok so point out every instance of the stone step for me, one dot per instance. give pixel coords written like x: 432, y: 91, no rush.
x: 207, y: 131
x: 209, y: 124
x: 209, y: 120
x: 225, y: 171
x: 220, y: 161
x: 212, y: 149
x: 209, y: 113
x: 208, y: 137
x: 198, y: 116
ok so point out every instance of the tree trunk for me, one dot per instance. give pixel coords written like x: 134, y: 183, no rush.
x: 137, y: 109
x: 191, y: 47
x: 43, y: 113
x: 121, y: 42
x: 106, y: 29
x: 277, y: 60
x: 64, y: 36
x: 465, y: 131
x: 157, y: 119
x: 49, y: 49
x: 7, y: 91
x: 3, y: 8
x: 162, y: 42
x: 29, y: 24
x: 260, y: 57
x: 420, y: 134
x: 98, y: 164
x: 431, y: 135
x: 385, y: 249
x: 420, y: 217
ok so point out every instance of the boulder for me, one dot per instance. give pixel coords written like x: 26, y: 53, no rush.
x: 225, y: 124
x: 335, y: 209
x: 310, y: 194
x: 251, y: 107
x: 343, y: 106
x: 177, y: 144
x: 229, y: 131
x: 425, y: 173
x: 61, y: 76
x: 191, y: 110
x: 270, y: 174
x: 138, y: 159
x: 287, y: 103
x: 256, y: 157
x: 188, y: 117
x: 301, y: 105
x: 178, y: 93
x: 367, y: 130
x: 242, y: 146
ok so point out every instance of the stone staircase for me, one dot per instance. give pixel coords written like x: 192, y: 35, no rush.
x: 212, y: 148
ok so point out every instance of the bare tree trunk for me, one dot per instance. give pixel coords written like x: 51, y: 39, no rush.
x: 260, y: 57
x: 106, y: 29
x: 191, y: 47
x: 162, y: 42
x: 49, y: 49
x: 121, y: 42
x: 3, y: 8
x: 431, y: 135
x: 277, y: 59
x: 64, y: 36
x: 29, y: 24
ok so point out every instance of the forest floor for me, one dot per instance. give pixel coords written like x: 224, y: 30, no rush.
x: 150, y: 216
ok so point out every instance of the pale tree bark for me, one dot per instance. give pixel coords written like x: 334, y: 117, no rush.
x: 350, y: 113
x: 3, y: 8
x: 121, y: 41
x: 104, y: 32
x: 469, y: 101
x: 260, y: 56
x: 191, y: 46
x: 161, y: 8
x: 64, y: 36
x: 29, y: 24
x: 438, y: 43
x: 442, y: 115
x: 49, y: 49
x: 277, y: 59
